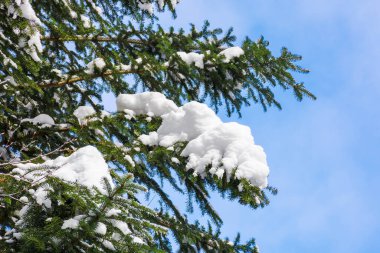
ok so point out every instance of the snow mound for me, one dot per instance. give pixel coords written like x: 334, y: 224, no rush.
x: 70, y: 223
x: 153, y: 103
x: 191, y: 58
x: 229, y: 148
x: 82, y: 112
x: 185, y: 124
x: 101, y: 228
x: 97, y: 63
x: 86, y: 166
x: 213, y: 146
x: 43, y: 119
x: 231, y: 52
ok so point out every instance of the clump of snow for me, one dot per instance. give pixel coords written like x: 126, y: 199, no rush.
x: 175, y: 160
x: 86, y: 21
x: 191, y: 58
x: 153, y: 103
x: 101, y: 228
x: 186, y: 123
x: 42, y: 119
x: 24, y: 199
x: 28, y: 12
x: 113, y: 212
x: 213, y: 146
x: 17, y: 235
x: 41, y: 196
x: 174, y: 2
x: 231, y: 52
x: 146, y: 7
x: 70, y: 224
x: 227, y: 147
x: 108, y: 245
x: 97, y: 63
x: 161, y: 4
x: 121, y: 225
x: 130, y: 160
x: 34, y: 44
x: 82, y: 112
x: 86, y: 166
x: 151, y: 139
x: 137, y: 240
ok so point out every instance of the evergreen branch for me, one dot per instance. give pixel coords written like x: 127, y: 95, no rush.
x: 96, y: 39
x: 90, y: 77
x: 59, y: 149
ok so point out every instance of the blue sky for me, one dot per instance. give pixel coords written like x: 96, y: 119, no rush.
x: 323, y: 154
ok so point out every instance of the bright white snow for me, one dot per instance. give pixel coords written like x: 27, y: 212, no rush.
x: 101, y: 228
x: 226, y: 147
x: 146, y: 7
x: 70, y: 223
x: 97, y: 63
x: 82, y: 112
x: 231, y: 52
x: 153, y: 103
x: 86, y: 21
x: 213, y: 146
x: 121, y: 225
x: 43, y: 119
x: 191, y: 58
x: 86, y: 166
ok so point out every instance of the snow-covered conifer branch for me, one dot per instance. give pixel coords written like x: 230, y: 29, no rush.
x: 66, y: 164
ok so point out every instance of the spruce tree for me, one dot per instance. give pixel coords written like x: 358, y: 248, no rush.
x: 76, y: 178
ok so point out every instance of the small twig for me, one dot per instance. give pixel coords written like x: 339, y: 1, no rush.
x: 39, y: 156
x: 96, y: 39
x: 83, y: 78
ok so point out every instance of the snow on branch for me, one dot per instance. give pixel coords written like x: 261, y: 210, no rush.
x: 211, y: 145
x: 86, y: 167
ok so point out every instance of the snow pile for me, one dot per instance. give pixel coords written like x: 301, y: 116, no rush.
x: 71, y: 223
x: 191, y: 58
x: 231, y: 52
x: 121, y: 225
x: 146, y: 7
x: 82, y: 112
x: 42, y: 119
x: 226, y: 147
x: 101, y: 228
x: 150, y: 103
x: 97, y: 63
x: 223, y: 148
x: 184, y: 124
x: 86, y: 166
x: 108, y: 245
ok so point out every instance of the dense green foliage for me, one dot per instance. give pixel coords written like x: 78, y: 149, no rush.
x: 56, y: 83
